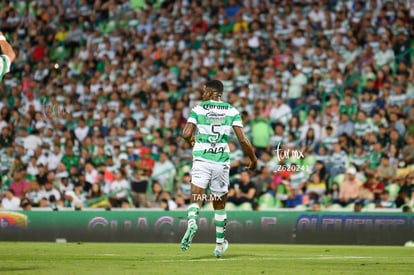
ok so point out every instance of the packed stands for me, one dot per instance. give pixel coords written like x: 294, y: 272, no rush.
x: 92, y: 111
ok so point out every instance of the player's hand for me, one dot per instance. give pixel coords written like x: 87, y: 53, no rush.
x: 192, y: 141
x: 252, y: 165
x: 1, y: 33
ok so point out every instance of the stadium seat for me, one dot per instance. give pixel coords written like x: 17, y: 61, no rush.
x: 334, y: 206
x: 266, y: 201
x: 393, y: 189
x: 362, y: 177
x: 278, y: 204
x: 208, y: 206
x: 301, y: 207
x: 309, y: 161
x: 350, y: 206
x: 339, y: 179
x: 369, y: 206
x: 245, y: 206
x: 230, y: 206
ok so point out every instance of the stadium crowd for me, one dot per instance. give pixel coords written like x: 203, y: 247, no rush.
x: 92, y: 111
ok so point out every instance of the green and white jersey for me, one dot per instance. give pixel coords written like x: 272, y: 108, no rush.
x: 358, y: 160
x: 367, y: 106
x: 228, y: 86
x: 361, y: 128
x: 297, y: 178
x: 338, y: 160
x: 4, y: 65
x: 47, y: 141
x: 214, y: 121
x: 275, y: 140
x: 397, y: 100
x: 5, y: 161
x: 242, y: 79
x: 328, y: 142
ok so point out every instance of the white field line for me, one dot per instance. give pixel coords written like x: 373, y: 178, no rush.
x: 261, y: 257
x: 235, y: 258
x: 251, y: 259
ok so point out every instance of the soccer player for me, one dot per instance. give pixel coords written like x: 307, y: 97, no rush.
x: 7, y: 56
x: 213, y: 119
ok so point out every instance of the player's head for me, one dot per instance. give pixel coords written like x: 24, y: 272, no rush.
x: 213, y: 89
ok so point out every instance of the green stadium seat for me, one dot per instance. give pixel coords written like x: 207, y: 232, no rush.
x: 266, y: 201
x: 393, y: 189
x: 208, y: 206
x: 339, y: 179
x: 245, y: 206
x: 349, y: 206
x: 309, y: 161
x: 301, y: 207
x: 230, y: 206
x: 362, y: 178
x: 278, y: 204
x: 335, y: 206
x: 369, y: 206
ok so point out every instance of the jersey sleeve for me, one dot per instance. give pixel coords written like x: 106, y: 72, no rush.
x: 4, y: 65
x: 193, y: 117
x: 237, y: 120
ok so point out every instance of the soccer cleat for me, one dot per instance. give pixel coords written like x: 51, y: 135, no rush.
x: 220, y: 249
x: 188, y: 236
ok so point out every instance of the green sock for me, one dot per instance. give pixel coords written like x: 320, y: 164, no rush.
x: 220, y: 219
x: 192, y: 213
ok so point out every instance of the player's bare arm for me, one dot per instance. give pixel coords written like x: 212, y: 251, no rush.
x: 188, y: 133
x: 246, y: 146
x: 6, y: 48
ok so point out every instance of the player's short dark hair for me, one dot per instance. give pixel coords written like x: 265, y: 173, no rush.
x: 215, y: 85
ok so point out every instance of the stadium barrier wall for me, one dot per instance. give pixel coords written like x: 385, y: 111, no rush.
x: 284, y: 227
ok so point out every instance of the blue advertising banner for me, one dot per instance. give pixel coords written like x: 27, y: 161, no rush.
x: 242, y: 226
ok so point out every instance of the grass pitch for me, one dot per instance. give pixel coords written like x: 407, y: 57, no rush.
x: 143, y: 258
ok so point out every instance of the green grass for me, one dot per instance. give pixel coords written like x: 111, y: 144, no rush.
x: 139, y: 258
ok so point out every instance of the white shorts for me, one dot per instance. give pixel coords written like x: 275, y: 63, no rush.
x: 217, y: 176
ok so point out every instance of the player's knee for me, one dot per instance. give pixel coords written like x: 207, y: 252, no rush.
x: 196, y: 189
x: 219, y: 203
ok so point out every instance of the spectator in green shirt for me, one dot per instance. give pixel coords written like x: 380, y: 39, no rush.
x: 100, y: 157
x: 69, y: 159
x: 349, y: 107
x: 374, y: 158
x: 226, y: 27
x: 261, y: 132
